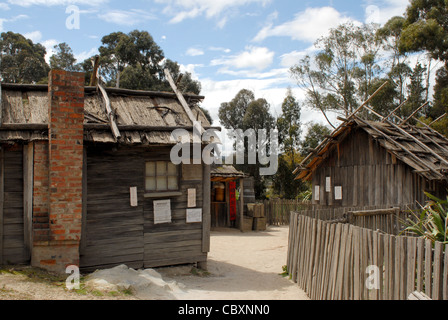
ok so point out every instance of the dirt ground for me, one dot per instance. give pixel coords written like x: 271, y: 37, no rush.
x: 241, y: 266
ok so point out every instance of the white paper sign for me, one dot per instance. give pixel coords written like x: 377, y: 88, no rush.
x: 162, y: 211
x: 194, y: 215
x: 133, y: 192
x: 328, y: 184
x: 316, y: 193
x: 338, y: 193
x: 191, y: 198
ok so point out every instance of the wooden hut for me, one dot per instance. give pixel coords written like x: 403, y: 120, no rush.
x: 86, y: 177
x: 377, y: 163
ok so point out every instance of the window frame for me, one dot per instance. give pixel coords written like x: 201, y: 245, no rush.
x: 165, y: 192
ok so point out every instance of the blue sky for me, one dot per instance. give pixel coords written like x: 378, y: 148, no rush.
x: 228, y: 45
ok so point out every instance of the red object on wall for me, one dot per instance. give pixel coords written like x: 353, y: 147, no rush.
x: 232, y: 200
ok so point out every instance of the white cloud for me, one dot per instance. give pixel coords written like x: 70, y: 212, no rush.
x: 308, y: 25
x: 292, y: 58
x: 4, y: 6
x: 80, y: 57
x: 49, y: 46
x: 126, y: 17
x: 34, y: 36
x: 254, y: 58
x: 225, y: 50
x: 194, y: 52
x: 13, y: 19
x: 28, y: 3
x: 190, y: 9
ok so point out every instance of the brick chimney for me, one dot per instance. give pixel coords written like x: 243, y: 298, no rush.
x: 59, y: 199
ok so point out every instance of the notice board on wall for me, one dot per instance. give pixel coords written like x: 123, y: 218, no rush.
x: 162, y: 211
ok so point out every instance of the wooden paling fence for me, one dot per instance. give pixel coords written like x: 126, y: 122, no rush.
x: 380, y: 218
x: 340, y: 261
x: 278, y: 211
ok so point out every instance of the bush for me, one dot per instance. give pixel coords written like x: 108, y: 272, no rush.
x: 431, y: 222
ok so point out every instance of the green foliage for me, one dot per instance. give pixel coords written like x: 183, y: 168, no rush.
x: 64, y: 59
x: 284, y: 182
x: 21, y: 61
x: 426, y: 28
x: 288, y: 124
x: 316, y: 134
x: 431, y: 222
x: 245, y: 112
x: 135, y: 61
x: 339, y: 76
x: 231, y: 114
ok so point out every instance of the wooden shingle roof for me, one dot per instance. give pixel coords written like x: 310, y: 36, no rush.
x: 143, y: 117
x: 419, y: 147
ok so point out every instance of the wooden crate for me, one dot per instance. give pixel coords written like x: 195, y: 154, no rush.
x: 251, y: 209
x: 259, y: 224
x: 248, y: 224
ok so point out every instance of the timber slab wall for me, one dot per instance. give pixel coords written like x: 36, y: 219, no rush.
x: 115, y: 233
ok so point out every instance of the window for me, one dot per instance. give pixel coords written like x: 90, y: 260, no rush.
x: 161, y: 176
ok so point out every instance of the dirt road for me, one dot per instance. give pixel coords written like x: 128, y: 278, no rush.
x: 242, y: 266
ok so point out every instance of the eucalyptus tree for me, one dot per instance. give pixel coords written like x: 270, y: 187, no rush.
x: 339, y: 76
x: 21, y: 60
x: 64, y: 58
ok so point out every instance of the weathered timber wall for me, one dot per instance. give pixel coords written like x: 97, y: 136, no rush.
x: 369, y: 176
x: 12, y: 244
x: 115, y: 233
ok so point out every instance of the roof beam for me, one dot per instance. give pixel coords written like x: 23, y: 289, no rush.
x: 413, y: 114
x: 110, y: 114
x: 183, y: 102
x: 410, y: 136
x: 413, y: 156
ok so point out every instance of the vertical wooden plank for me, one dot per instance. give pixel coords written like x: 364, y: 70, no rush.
x: 355, y: 185
x: 428, y: 268
x: 242, y: 205
x: 386, y: 255
x: 206, y: 207
x: 438, y: 268
x: 323, y: 282
x: 312, y: 255
x: 411, y: 264
x: 348, y: 266
x: 290, y: 244
x: 403, y: 269
x: 391, y: 267
x: 2, y: 199
x: 397, y: 284
x: 334, y: 265
x: 28, y: 169
x: 296, y: 238
x: 356, y: 264
x: 317, y: 260
x: 329, y: 258
x: 445, y: 275
x: 420, y: 266
x: 302, y: 249
x: 83, y: 241
x: 341, y: 262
